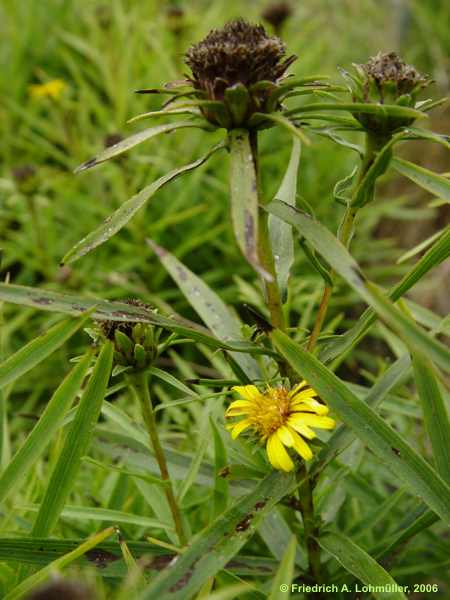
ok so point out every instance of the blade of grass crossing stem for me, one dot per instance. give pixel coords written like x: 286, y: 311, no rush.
x: 208, y: 305
x: 38, y: 350
x: 211, y: 549
x: 398, y: 456
x: 128, y: 209
x: 432, y: 182
x: 434, y: 414
x: 356, y: 561
x: 244, y: 198
x: 31, y: 582
x: 343, y: 263
x: 281, y: 237
x: 282, y: 581
x: 76, y: 445
x: 44, y: 429
x: 220, y: 491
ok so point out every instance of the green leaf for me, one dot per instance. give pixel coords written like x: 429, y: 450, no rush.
x: 383, y: 110
x: 281, y: 238
x: 244, y: 198
x: 208, y: 305
x: 285, y: 573
x: 39, y: 349
x: 387, y: 445
x: 424, y: 134
x: 343, y: 263
x: 76, y: 445
x: 364, y: 191
x: 43, y: 431
x: 31, y: 582
x: 434, y: 413
x: 90, y: 513
x: 432, y: 182
x: 220, y: 492
x: 132, y: 141
x: 212, y: 548
x: 361, y: 565
x: 286, y: 124
x: 128, y: 209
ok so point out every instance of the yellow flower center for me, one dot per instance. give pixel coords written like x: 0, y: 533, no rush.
x: 270, y: 411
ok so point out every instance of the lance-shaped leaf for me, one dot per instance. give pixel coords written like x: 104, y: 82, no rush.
x: 360, y: 564
x: 431, y: 136
x: 209, y: 306
x: 283, y: 122
x: 398, y: 456
x: 132, y: 141
x: 343, y: 263
x: 39, y: 349
x: 434, y: 413
x: 383, y: 110
x: 75, y: 446
x: 31, y: 582
x: 212, y: 548
x: 432, y: 182
x: 281, y: 237
x: 244, y: 198
x: 43, y: 431
x: 126, y: 212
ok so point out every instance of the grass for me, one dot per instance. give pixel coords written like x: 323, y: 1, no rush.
x: 237, y: 512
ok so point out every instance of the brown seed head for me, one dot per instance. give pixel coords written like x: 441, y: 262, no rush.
x: 277, y: 13
x: 237, y: 53
x: 388, y: 68
x: 109, y: 328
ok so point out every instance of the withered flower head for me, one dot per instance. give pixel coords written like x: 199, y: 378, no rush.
x: 135, y: 343
x: 386, y: 79
x: 56, y: 590
x: 276, y: 14
x: 229, y: 64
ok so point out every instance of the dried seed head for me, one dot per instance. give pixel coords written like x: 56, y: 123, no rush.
x: 239, y: 53
x: 56, y: 590
x: 277, y: 13
x: 388, y: 69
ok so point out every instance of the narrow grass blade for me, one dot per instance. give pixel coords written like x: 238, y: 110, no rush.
x: 434, y: 413
x: 209, y: 306
x: 75, y: 446
x: 432, y: 182
x: 356, y: 561
x: 132, y: 141
x: 281, y: 237
x: 39, y: 349
x: 128, y: 209
x: 28, y: 584
x: 42, y: 433
x: 220, y: 491
x: 283, y: 578
x: 421, y: 479
x: 211, y: 549
x: 244, y: 198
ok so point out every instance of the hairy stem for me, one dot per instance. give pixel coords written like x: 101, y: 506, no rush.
x: 265, y: 249
x: 139, y: 383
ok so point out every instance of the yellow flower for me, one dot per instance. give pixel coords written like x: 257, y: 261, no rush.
x: 281, y: 418
x: 51, y: 89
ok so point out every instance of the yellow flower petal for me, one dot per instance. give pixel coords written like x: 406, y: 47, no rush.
x: 238, y: 428
x: 241, y: 404
x: 285, y: 436
x: 297, y: 388
x: 302, y: 448
x: 277, y: 454
x: 303, y: 394
x: 310, y: 404
x: 249, y: 392
x: 313, y: 420
x: 302, y: 429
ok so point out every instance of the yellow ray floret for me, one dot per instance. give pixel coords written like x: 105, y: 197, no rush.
x: 281, y: 418
x: 50, y: 89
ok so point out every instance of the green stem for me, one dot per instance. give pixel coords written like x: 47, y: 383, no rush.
x: 374, y: 143
x: 139, y: 383
x: 265, y: 249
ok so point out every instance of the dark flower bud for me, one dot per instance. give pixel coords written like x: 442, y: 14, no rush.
x: 277, y: 14
x: 175, y: 19
x: 386, y: 79
x: 236, y: 68
x: 135, y: 343
x: 112, y: 139
x: 58, y: 590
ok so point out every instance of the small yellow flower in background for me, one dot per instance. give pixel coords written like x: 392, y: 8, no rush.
x: 51, y: 89
x: 281, y: 418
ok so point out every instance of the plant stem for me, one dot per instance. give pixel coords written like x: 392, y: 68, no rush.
x: 265, y: 248
x: 374, y: 143
x: 139, y: 383
x: 311, y: 532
